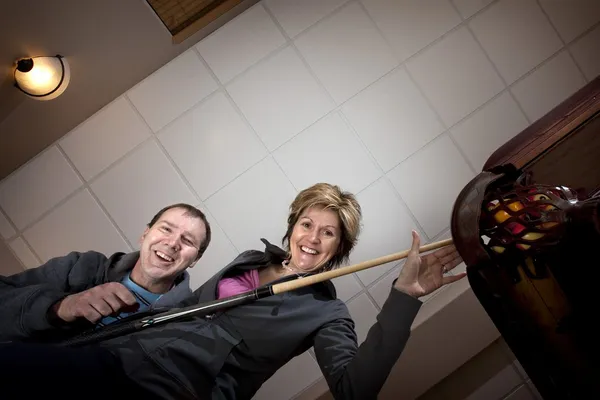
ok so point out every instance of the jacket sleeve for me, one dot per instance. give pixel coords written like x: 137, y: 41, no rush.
x: 26, y: 297
x: 354, y: 372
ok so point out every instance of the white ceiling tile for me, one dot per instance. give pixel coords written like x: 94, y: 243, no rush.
x: 346, y: 52
x: 295, y: 16
x: 572, y: 18
x: 279, y: 97
x: 267, y: 195
x: 346, y: 286
x: 9, y: 262
x: 387, y: 227
x: 211, y: 144
x: 548, y: 86
x: 455, y: 76
x: 363, y: 312
x: 104, y: 138
x: 516, y: 35
x: 507, y: 350
x: 393, y: 119
x: 430, y: 181
x: 137, y: 187
x: 6, y: 229
x: 496, y: 387
x: 410, y: 25
x: 97, y: 233
x: 314, y: 391
x: 289, y: 380
x: 431, y: 295
x: 380, y: 291
x: 171, y: 90
x: 585, y: 51
x: 219, y: 253
x: 23, y: 253
x: 327, y: 152
x: 240, y: 43
x: 37, y: 187
x: 522, y: 393
x: 487, y: 129
x: 469, y: 7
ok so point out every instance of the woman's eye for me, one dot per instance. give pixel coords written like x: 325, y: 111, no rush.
x: 166, y: 229
x: 306, y: 224
x: 328, y: 233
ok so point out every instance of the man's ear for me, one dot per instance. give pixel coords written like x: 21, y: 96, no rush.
x: 144, y: 235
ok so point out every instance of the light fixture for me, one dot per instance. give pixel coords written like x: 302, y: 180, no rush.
x: 42, y: 78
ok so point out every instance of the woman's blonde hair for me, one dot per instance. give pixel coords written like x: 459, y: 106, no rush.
x: 329, y: 197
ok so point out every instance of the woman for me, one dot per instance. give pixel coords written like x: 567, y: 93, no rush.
x: 230, y: 354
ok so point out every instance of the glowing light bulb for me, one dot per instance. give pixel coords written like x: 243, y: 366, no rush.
x: 43, y: 78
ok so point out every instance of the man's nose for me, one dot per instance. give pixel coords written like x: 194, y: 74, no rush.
x: 173, y: 242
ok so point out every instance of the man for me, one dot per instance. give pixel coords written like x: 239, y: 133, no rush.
x: 76, y: 292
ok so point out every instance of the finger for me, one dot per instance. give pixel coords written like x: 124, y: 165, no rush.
x: 449, y: 252
x: 450, y: 263
x: 114, y: 302
x: 457, y: 261
x: 444, y: 251
x: 123, y: 294
x: 416, y: 242
x: 101, y: 306
x: 448, y: 258
x: 453, y: 278
x: 91, y: 314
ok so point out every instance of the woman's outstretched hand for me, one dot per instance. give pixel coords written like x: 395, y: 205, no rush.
x: 422, y: 275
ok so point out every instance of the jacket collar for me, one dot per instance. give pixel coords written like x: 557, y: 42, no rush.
x: 275, y: 255
x: 122, y: 263
x: 255, y: 259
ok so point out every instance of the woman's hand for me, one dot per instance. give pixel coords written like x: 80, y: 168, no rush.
x: 422, y: 275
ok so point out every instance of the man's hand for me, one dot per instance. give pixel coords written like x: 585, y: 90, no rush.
x: 95, y: 303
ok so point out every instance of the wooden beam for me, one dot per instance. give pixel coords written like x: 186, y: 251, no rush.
x: 209, y: 15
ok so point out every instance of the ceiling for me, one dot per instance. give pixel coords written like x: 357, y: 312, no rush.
x: 110, y: 45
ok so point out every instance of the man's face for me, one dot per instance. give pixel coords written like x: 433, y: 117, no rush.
x: 171, y: 245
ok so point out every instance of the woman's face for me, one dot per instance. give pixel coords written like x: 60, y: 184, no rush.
x: 315, y: 239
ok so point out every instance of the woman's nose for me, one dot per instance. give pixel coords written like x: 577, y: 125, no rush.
x: 313, y: 237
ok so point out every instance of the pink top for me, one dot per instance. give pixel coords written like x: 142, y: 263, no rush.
x: 237, y: 284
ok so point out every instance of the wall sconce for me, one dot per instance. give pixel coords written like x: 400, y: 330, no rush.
x: 42, y: 78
